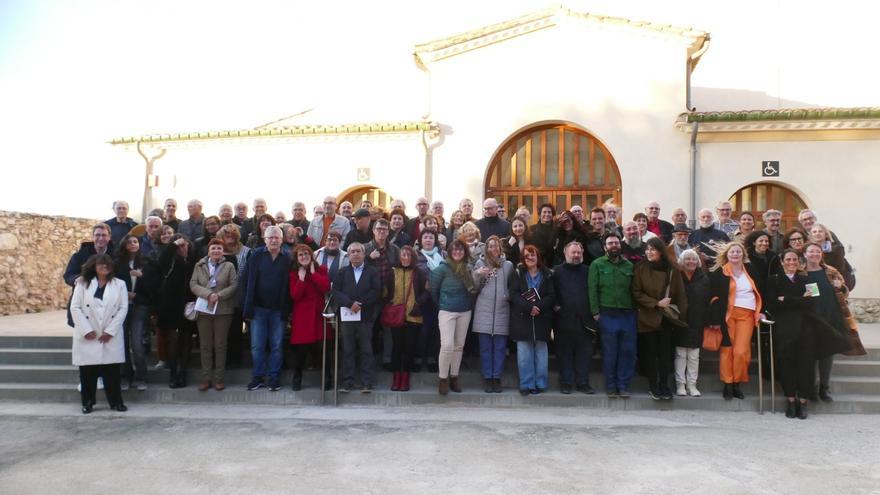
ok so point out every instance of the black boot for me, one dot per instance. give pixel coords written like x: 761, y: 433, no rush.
x: 791, y: 409
x: 489, y: 386
x: 297, y: 382
x: 823, y: 394
x: 801, y: 410
x: 728, y: 391
x: 737, y: 392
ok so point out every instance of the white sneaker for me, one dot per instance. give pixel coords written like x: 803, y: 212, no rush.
x: 680, y: 390
x: 161, y: 365
x: 79, y: 387
x: 100, y: 383
x: 124, y: 385
x: 692, y: 390
x: 141, y: 386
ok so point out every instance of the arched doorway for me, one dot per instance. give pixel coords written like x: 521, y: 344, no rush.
x: 552, y: 163
x: 357, y: 194
x: 762, y: 196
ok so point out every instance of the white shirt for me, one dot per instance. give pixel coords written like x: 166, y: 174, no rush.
x: 358, y: 271
x: 745, y: 295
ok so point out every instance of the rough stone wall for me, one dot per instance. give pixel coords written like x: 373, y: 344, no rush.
x: 865, y: 310
x: 34, y: 250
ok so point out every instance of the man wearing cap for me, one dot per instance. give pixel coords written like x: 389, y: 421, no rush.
x: 361, y: 233
x: 329, y: 220
x: 679, y: 244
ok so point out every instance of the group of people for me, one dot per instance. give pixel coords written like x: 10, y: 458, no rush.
x: 644, y: 292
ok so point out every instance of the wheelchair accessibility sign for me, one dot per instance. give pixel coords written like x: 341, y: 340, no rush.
x: 770, y: 169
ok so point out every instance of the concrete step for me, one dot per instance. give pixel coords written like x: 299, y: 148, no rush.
x: 856, y: 367
x: 23, y: 342
x: 34, y: 356
x: 424, y: 395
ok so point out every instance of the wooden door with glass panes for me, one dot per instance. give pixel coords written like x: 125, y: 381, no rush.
x: 557, y: 164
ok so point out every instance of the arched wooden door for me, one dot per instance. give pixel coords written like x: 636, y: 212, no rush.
x: 762, y: 196
x: 556, y: 163
x: 356, y: 195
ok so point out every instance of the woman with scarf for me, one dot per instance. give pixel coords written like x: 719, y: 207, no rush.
x: 492, y: 312
x: 452, y: 289
x: 656, y: 286
x: 736, y: 308
x: 532, y: 298
x: 409, y: 290
x: 428, y: 258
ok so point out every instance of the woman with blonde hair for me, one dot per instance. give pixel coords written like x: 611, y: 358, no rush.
x: 736, y: 308
x: 469, y: 233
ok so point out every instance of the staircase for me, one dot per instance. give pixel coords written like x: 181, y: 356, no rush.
x: 39, y: 369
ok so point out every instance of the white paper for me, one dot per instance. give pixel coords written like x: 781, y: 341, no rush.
x: 346, y: 314
x: 202, y: 306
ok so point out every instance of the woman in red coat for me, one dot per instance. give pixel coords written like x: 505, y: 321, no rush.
x: 309, y: 283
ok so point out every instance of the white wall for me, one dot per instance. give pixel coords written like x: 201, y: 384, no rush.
x: 284, y: 171
x: 622, y: 86
x: 837, y: 179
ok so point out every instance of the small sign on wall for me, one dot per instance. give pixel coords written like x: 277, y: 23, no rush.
x: 363, y: 174
x: 770, y: 168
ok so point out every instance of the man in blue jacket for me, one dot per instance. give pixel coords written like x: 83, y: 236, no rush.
x: 267, y: 306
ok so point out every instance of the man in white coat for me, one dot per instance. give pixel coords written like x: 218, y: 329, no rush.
x: 98, y: 308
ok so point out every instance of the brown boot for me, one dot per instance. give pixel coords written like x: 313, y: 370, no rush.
x: 453, y: 384
x: 443, y: 386
x: 404, y: 381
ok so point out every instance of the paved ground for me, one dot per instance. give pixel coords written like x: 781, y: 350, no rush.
x: 51, y: 448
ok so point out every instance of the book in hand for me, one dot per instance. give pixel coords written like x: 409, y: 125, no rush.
x: 813, y: 289
x: 202, y: 306
x: 531, y: 295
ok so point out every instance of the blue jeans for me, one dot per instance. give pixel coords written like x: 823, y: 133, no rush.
x: 135, y: 328
x: 266, y: 327
x: 531, y: 359
x: 492, y: 351
x: 618, y: 330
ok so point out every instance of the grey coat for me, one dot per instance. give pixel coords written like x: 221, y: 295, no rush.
x: 492, y: 309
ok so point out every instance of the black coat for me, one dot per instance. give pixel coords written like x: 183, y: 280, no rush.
x: 367, y: 291
x: 147, y: 285
x: 524, y: 326
x: 789, y: 314
x: 572, y: 298
x: 543, y: 237
x: 697, y: 290
x: 173, y: 292
x: 763, y: 267
x: 511, y: 253
x: 490, y: 226
x: 563, y: 238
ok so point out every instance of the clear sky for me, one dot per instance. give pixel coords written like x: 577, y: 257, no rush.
x: 74, y: 74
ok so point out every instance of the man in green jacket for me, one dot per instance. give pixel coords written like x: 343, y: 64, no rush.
x: 612, y: 306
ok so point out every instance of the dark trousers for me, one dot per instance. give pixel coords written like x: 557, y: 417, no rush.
x: 574, y: 348
x: 825, y: 370
x: 428, y: 341
x: 357, y: 340
x: 88, y: 379
x: 235, y: 340
x: 796, y: 366
x: 180, y: 349
x: 402, y: 340
x: 655, y: 353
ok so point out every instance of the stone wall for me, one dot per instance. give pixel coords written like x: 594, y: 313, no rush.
x: 865, y: 310
x: 34, y: 250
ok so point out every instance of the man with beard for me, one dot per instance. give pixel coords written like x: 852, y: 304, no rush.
x: 610, y: 278
x: 679, y: 244
x: 632, y: 247
x: 573, y: 324
x: 707, y: 236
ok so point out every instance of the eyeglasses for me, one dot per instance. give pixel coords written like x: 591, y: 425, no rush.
x: 795, y: 239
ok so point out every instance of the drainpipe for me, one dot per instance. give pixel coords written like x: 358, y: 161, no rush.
x: 692, y: 218
x: 429, y: 167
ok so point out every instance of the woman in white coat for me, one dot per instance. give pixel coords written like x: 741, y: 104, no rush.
x: 99, y: 305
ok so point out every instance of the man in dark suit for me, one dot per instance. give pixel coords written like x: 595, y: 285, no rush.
x: 357, y: 288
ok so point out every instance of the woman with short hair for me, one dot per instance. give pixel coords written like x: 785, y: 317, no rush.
x: 470, y: 234
x: 641, y: 221
x: 656, y: 286
x: 795, y: 239
x: 543, y: 233
x: 215, y: 280
x: 833, y: 253
x: 532, y: 297
x: 332, y: 256
x: 455, y: 223
x: 98, y: 308
x: 309, y: 285
x: 210, y: 226
x: 736, y: 308
x: 688, y: 340
x: 492, y: 311
x: 452, y: 287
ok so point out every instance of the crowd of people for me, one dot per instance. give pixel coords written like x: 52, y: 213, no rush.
x: 420, y: 292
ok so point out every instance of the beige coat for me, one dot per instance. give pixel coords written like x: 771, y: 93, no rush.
x: 227, y: 281
x: 100, y: 316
